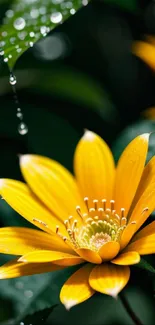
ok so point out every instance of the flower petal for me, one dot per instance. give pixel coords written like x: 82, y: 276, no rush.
x: 19, y: 241
x: 129, y: 172
x: 146, y: 52
x: 109, y: 279
x: 76, y: 289
x: 53, y: 184
x: 22, y: 200
x: 94, y: 167
x: 128, y: 258
x: 145, y: 196
x: 89, y: 255
x: 127, y: 234
x: 58, y: 258
x: 14, y: 269
x: 109, y: 250
x: 143, y: 246
x: 146, y: 231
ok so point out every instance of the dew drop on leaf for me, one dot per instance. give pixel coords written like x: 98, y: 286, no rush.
x: 19, y: 23
x: 56, y: 17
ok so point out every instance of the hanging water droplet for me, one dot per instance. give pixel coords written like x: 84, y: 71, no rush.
x: 19, y: 23
x: 31, y: 44
x: 12, y: 80
x: 56, y: 17
x: 72, y: 11
x: 22, y: 128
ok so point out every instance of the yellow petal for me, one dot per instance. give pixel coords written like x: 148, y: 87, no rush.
x: 109, y: 250
x: 89, y: 255
x: 146, y: 52
x: 128, y: 258
x: 129, y: 172
x: 53, y: 184
x: 145, y: 197
x: 15, y: 269
x: 143, y: 246
x: 109, y: 279
x: 127, y: 234
x: 94, y: 167
x: 22, y: 200
x: 58, y: 258
x: 76, y: 289
x: 19, y: 241
x: 146, y: 231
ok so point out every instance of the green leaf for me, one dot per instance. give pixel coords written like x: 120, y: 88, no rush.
x: 27, y: 21
x: 143, y: 264
x: 31, y: 294
x: 39, y: 317
x: 130, y: 5
x: 127, y: 135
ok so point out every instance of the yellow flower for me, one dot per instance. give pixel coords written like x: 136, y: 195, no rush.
x: 146, y: 51
x: 91, y: 219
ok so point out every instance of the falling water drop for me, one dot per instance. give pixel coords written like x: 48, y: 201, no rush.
x: 12, y: 80
x: 22, y: 128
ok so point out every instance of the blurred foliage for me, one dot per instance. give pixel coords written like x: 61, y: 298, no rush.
x: 82, y: 75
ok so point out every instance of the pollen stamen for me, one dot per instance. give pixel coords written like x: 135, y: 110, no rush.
x: 95, y: 204
x: 86, y: 202
x: 104, y: 204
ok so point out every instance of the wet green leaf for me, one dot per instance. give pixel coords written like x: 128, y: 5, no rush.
x: 31, y: 294
x: 27, y: 21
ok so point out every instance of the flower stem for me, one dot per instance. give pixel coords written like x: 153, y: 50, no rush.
x: 129, y: 310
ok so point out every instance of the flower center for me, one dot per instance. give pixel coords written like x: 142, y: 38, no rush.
x: 99, y: 225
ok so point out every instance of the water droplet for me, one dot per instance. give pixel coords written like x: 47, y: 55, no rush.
x: 28, y: 293
x: 42, y: 10
x: 2, y: 43
x: 19, y: 285
x: 12, y: 80
x: 21, y: 323
x: 22, y: 128
x: 57, y: 1
x: 19, y: 115
x: 22, y: 35
x: 19, y: 50
x: 4, y: 34
x: 1, y: 52
x: 56, y: 17
x: 12, y: 40
x: 84, y: 2
x: 34, y: 13
x: 19, y: 23
x: 72, y: 11
x: 5, y: 60
x: 32, y: 34
x: 10, y: 56
x: 31, y: 44
x: 43, y: 30
x: 9, y: 13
